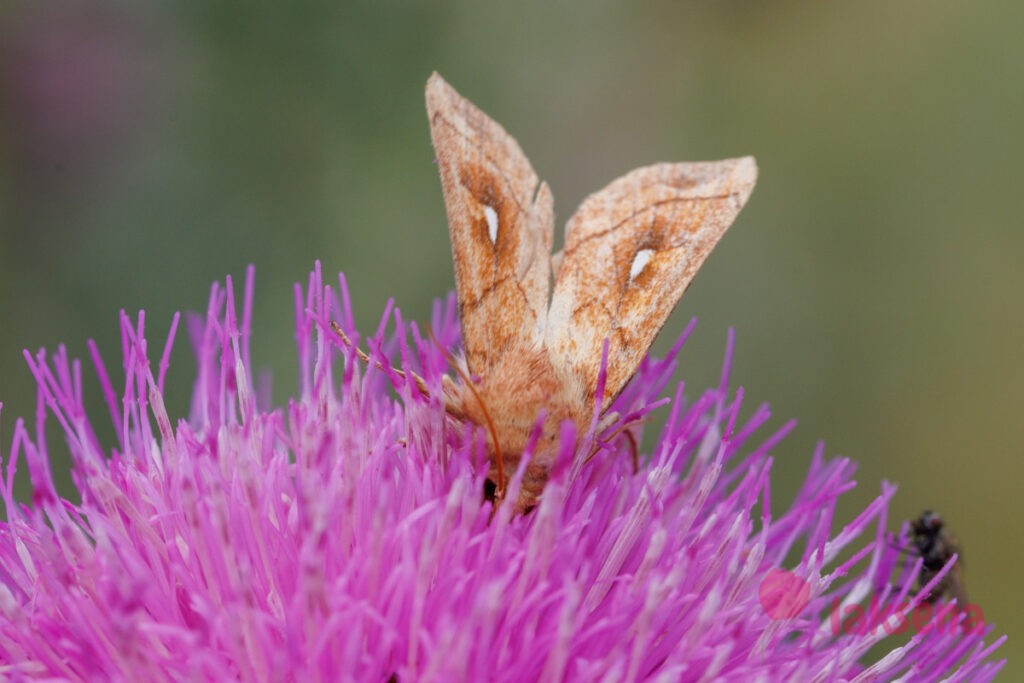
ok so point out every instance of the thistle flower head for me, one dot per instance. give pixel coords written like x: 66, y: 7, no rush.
x: 345, y: 535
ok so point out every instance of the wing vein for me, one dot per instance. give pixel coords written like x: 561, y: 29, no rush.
x: 649, y: 207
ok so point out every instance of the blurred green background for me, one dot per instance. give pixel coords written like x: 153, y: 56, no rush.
x: 148, y: 149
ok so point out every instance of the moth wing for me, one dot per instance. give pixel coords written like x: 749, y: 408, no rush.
x: 500, y: 220
x: 631, y: 251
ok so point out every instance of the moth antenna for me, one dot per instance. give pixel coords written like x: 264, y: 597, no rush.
x: 348, y: 342
x: 500, y: 484
x: 420, y: 383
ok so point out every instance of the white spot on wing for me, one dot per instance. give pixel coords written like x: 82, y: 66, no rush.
x: 492, y: 223
x: 640, y: 262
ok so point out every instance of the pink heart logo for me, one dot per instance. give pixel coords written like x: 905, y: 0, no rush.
x: 783, y: 594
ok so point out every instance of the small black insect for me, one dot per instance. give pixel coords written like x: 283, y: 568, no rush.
x: 935, y: 546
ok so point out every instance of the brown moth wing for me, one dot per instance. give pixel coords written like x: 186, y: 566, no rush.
x: 631, y: 251
x: 500, y: 219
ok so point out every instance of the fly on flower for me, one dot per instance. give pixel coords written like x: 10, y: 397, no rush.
x: 932, y: 542
x: 631, y: 250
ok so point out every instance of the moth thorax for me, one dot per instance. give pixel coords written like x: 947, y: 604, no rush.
x: 514, y: 394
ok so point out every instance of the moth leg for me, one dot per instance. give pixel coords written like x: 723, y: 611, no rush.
x: 607, y: 420
x: 634, y: 449
x: 605, y: 423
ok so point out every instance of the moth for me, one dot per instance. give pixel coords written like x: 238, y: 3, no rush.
x: 631, y: 250
x: 932, y: 542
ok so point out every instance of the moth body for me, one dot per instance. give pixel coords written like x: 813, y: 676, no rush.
x: 521, y: 387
